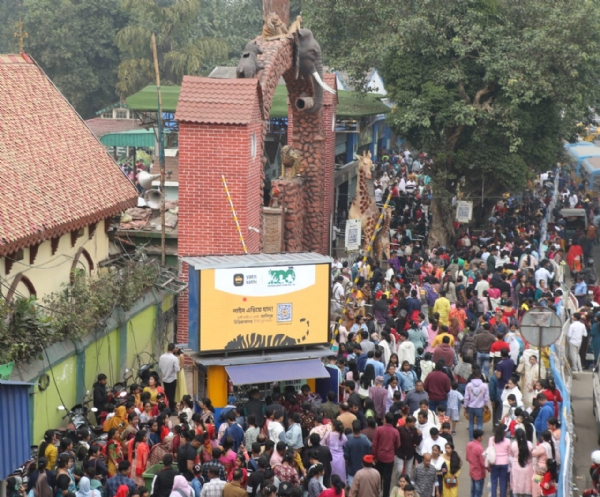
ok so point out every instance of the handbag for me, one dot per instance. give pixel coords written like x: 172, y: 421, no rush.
x: 490, y: 456
x: 487, y: 414
x: 451, y: 481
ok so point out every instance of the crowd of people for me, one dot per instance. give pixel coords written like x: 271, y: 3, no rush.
x: 422, y: 338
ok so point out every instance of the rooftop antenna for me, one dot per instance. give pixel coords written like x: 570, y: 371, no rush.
x: 20, y: 34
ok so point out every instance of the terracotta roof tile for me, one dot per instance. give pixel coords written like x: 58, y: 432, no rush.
x: 218, y: 101
x: 101, y: 127
x: 171, y: 168
x: 56, y: 176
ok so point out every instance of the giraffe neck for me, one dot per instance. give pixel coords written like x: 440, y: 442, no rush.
x: 362, y: 190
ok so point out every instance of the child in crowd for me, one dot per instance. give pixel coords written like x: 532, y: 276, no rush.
x: 441, y: 415
x: 453, y: 405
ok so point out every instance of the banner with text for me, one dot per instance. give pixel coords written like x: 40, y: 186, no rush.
x: 243, y: 309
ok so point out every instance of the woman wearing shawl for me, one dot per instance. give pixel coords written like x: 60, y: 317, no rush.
x: 181, y: 487
x: 137, y: 454
x: 42, y: 488
x: 85, y: 489
x: 118, y: 421
x: 574, y: 257
x: 159, y: 450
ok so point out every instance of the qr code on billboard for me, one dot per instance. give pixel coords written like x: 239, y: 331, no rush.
x: 284, y: 313
x: 352, y: 236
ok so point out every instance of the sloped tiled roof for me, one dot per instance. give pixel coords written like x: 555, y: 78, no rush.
x: 55, y: 175
x: 218, y: 101
x: 101, y: 127
x: 171, y: 168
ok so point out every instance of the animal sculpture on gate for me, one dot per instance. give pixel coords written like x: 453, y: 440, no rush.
x: 291, y: 162
x: 381, y: 244
x: 363, y: 206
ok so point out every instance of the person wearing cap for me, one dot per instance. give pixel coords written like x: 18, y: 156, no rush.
x: 163, y: 480
x: 367, y: 481
x: 379, y: 396
x: 385, y: 443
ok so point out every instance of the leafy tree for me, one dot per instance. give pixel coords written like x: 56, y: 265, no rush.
x: 9, y: 14
x: 73, y: 41
x: 182, y: 50
x: 489, y: 87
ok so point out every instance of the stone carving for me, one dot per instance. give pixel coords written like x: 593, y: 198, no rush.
x: 363, y: 206
x: 309, y: 64
x: 249, y: 64
x: 381, y: 244
x: 273, y: 28
x: 291, y: 162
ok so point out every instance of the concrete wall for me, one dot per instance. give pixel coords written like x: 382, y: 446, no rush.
x: 49, y: 271
x: 74, y: 365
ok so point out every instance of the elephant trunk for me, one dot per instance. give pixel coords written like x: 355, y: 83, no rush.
x: 313, y: 105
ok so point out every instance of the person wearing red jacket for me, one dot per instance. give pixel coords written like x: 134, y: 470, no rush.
x: 385, y: 443
x: 437, y: 385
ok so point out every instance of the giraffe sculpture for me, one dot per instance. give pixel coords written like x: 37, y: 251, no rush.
x: 381, y: 244
x: 363, y: 206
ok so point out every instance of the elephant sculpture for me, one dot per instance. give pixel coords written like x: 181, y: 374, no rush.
x: 309, y: 64
x: 249, y: 64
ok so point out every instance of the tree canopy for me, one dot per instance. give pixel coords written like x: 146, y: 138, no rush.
x: 74, y: 43
x: 490, y: 87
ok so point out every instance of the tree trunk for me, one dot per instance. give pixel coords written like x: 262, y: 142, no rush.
x: 442, y: 228
x: 280, y: 7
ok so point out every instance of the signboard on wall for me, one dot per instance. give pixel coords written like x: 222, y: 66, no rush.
x: 353, y: 234
x: 256, y: 308
x: 464, y: 211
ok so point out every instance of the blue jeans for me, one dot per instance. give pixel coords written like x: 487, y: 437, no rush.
x: 475, y: 412
x: 477, y: 487
x: 433, y: 404
x: 499, y: 473
x: 483, y: 361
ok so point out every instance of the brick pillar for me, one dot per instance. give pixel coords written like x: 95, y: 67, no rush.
x: 218, y: 136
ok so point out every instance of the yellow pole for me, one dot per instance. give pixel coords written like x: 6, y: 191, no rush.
x: 379, y: 221
x: 235, y: 218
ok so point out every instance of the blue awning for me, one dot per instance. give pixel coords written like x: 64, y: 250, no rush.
x: 276, y: 371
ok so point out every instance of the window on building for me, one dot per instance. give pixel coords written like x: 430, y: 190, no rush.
x: 253, y: 146
x: 107, y: 115
x: 122, y: 114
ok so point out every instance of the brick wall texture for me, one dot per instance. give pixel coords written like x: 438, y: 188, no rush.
x: 210, y: 149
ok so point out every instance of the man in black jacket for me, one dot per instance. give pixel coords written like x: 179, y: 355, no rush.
x: 410, y: 439
x: 321, y: 453
x: 100, y: 396
x: 163, y: 481
x: 255, y: 406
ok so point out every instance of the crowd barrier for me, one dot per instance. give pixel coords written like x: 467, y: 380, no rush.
x: 561, y: 372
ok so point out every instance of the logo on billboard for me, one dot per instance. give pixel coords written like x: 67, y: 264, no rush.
x: 238, y: 279
x: 281, y: 277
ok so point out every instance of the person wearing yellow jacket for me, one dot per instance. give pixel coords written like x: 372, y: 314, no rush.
x: 442, y: 307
